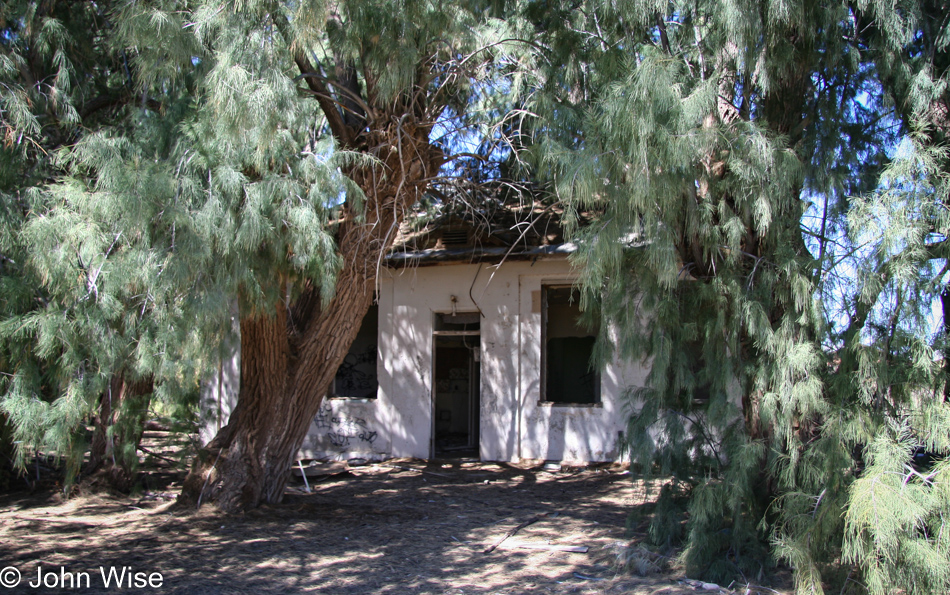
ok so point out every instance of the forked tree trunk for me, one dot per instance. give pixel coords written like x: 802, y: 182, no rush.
x: 117, y: 431
x: 248, y: 462
x: 290, y: 356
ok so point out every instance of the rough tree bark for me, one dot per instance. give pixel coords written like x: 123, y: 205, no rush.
x: 122, y: 409
x: 290, y: 356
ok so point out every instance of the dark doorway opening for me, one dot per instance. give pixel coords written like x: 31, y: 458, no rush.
x: 456, y: 395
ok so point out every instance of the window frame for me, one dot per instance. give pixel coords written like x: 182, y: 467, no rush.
x: 332, y: 392
x: 543, y: 400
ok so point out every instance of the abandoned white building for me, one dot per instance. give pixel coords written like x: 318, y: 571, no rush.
x: 474, y: 349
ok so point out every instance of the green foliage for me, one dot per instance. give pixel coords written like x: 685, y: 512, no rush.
x: 50, y: 90
x: 7, y: 468
x: 896, y: 514
x: 162, y: 218
x: 896, y: 507
x: 719, y: 149
x: 767, y: 184
x: 203, y: 156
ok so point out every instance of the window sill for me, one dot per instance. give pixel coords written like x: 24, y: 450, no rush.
x: 352, y: 399
x: 573, y: 405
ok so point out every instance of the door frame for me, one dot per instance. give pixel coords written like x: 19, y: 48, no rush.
x: 474, y: 390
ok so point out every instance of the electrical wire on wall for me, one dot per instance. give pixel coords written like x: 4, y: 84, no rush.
x: 471, y: 287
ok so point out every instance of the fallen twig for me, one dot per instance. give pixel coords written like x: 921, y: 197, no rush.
x: 54, y: 520
x: 530, y: 521
x: 703, y: 586
x: 207, y: 479
x: 405, y: 468
x: 587, y: 578
x: 158, y: 456
x: 551, y: 547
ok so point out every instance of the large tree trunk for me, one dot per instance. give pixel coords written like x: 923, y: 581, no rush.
x: 290, y: 356
x: 117, y: 431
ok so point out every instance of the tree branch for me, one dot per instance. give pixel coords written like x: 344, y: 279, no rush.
x: 340, y: 130
x: 354, y: 97
x: 664, y: 38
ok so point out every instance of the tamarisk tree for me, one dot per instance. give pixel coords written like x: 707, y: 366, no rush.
x: 268, y: 159
x: 384, y: 75
x: 793, y: 370
x: 897, y: 511
x: 61, y: 77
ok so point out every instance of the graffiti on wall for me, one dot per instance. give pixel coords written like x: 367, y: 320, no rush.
x: 341, y: 429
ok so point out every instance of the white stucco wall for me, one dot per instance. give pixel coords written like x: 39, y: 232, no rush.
x: 568, y: 433
x: 514, y: 424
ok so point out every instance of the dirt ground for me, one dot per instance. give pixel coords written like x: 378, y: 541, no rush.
x: 402, y: 527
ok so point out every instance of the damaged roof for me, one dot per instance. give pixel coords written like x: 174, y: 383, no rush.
x: 492, y: 232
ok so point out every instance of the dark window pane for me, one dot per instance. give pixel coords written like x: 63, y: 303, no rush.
x: 567, y: 349
x: 570, y: 377
x: 356, y: 377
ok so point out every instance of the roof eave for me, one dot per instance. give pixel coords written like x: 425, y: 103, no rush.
x: 471, y: 255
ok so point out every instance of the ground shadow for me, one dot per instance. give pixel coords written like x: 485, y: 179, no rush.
x: 410, y: 527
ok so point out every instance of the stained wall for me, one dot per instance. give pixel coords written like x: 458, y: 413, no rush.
x: 515, y: 423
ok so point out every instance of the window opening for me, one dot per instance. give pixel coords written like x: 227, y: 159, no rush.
x: 356, y: 377
x: 567, y: 347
